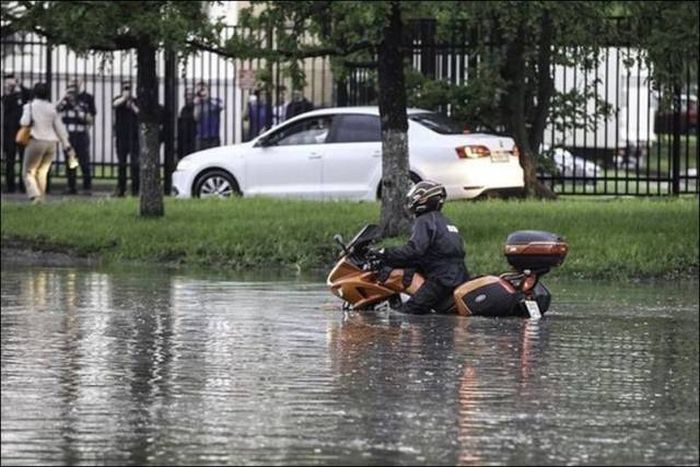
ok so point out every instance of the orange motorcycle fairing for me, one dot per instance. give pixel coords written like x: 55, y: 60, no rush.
x: 395, y: 282
x: 342, y: 269
x: 361, y: 288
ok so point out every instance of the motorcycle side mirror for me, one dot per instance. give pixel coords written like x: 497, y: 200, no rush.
x: 339, y: 240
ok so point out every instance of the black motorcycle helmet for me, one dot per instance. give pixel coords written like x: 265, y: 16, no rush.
x: 424, y: 197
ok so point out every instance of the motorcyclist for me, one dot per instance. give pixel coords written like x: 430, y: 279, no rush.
x: 435, y: 249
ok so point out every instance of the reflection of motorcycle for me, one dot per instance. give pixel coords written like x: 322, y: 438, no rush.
x: 362, y: 285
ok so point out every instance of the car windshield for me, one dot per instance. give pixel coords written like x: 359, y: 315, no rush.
x: 438, y: 123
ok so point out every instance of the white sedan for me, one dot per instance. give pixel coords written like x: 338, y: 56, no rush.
x: 336, y: 153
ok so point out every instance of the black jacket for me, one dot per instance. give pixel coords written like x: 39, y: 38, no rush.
x: 12, y: 105
x: 298, y: 107
x: 435, y: 248
x: 186, y: 131
x: 126, y: 122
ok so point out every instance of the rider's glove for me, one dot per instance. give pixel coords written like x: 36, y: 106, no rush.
x: 375, y: 254
x: 375, y: 258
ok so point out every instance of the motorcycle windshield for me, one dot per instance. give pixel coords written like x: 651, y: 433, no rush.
x: 369, y: 233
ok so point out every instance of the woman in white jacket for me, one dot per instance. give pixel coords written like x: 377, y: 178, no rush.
x: 47, y: 130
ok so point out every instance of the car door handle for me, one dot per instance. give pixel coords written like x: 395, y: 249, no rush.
x: 314, y: 155
x: 377, y: 154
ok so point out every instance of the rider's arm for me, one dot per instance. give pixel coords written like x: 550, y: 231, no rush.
x: 416, y: 247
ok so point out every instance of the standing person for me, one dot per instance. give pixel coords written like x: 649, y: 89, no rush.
x: 435, y: 248
x: 77, y: 117
x: 299, y: 104
x: 47, y: 130
x: 88, y: 101
x: 206, y: 114
x: 85, y: 98
x: 126, y: 113
x: 186, y: 127
x: 280, y: 111
x: 14, y: 98
x: 250, y: 114
x: 256, y: 113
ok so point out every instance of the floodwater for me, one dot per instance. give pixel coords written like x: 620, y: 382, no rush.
x: 138, y: 367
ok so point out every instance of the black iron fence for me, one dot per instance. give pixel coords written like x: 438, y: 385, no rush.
x: 619, y: 136
x: 641, y: 147
x: 234, y: 82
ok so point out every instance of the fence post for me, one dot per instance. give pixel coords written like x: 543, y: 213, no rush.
x: 268, y: 87
x: 49, y: 67
x: 341, y: 92
x: 170, y: 113
x: 427, y: 37
x: 48, y: 77
x: 676, y: 151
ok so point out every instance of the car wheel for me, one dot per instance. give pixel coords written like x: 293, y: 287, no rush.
x: 216, y: 184
x: 414, y: 179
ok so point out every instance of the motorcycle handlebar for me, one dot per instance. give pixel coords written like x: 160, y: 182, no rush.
x: 339, y: 240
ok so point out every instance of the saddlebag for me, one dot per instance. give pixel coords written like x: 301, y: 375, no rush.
x: 487, y: 296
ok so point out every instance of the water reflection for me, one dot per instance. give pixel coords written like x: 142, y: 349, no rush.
x: 136, y: 368
x: 447, y: 365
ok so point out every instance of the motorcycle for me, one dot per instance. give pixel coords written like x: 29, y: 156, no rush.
x: 362, y: 283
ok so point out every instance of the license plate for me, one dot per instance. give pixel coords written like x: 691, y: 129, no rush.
x: 533, y: 309
x: 499, y: 156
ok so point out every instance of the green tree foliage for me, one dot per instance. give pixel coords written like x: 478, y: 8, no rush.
x: 668, y: 33
x: 518, y: 43
x: 290, y: 31
x: 145, y: 26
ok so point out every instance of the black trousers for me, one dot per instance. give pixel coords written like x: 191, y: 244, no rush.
x: 81, y: 143
x: 13, y: 152
x: 431, y: 296
x: 128, y: 150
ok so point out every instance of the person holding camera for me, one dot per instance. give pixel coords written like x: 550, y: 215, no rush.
x: 299, y: 104
x: 207, y: 118
x: 77, y: 118
x: 126, y: 119
x: 257, y: 112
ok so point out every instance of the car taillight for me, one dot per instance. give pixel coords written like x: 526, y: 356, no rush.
x: 516, y: 151
x: 472, y: 152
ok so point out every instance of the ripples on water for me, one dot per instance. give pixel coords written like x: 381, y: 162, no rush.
x: 143, y: 368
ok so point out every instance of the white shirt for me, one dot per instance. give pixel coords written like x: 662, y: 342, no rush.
x: 46, y: 122
x: 279, y: 114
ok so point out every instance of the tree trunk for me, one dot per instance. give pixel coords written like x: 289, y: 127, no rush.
x: 545, y: 81
x: 513, y: 73
x: 545, y: 90
x: 394, y: 219
x: 169, y: 120
x: 151, y: 199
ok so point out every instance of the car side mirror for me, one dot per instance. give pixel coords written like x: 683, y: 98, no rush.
x: 262, y: 142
